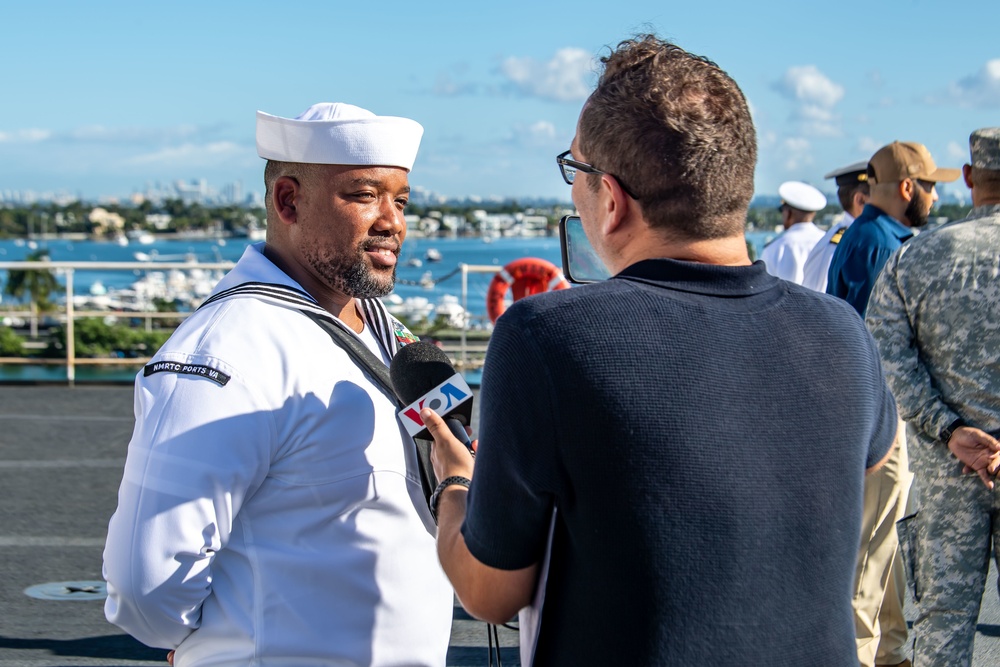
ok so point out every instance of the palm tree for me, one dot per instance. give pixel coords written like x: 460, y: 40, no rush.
x: 38, y: 285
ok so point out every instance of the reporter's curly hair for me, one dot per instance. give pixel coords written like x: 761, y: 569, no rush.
x: 677, y: 130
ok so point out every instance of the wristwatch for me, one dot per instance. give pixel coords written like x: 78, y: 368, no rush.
x: 946, y: 434
x: 436, y: 496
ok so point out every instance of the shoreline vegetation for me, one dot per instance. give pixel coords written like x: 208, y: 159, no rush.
x: 33, y: 321
x: 126, y: 337
x: 174, y: 218
x: 113, y: 349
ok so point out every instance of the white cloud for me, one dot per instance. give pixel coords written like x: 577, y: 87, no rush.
x: 539, y: 134
x: 29, y: 136
x: 767, y: 138
x: 816, y: 114
x: 129, y: 135
x: 542, y: 129
x: 818, y: 121
x: 193, y: 155
x: 564, y: 78
x: 100, y: 134
x: 981, y: 89
x: 816, y: 95
x: 957, y: 152
x: 446, y: 86
x: 808, y: 85
x: 868, y: 146
x: 796, y: 153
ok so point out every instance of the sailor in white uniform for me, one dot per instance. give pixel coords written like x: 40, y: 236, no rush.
x: 786, y: 255
x: 272, y: 510
x: 852, y: 192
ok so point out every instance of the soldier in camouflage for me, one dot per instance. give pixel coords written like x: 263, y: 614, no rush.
x: 934, y: 314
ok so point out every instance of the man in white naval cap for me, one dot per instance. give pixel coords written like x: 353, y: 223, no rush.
x: 852, y: 193
x: 879, y: 581
x: 786, y: 255
x: 272, y: 509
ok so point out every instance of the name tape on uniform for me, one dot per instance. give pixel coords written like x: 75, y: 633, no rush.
x: 187, y: 369
x: 442, y: 399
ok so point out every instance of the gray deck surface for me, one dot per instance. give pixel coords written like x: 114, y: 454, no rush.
x: 62, y: 451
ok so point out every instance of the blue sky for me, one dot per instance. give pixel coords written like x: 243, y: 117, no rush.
x: 102, y: 98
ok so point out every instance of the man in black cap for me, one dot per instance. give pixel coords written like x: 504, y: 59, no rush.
x: 852, y: 193
x: 879, y: 581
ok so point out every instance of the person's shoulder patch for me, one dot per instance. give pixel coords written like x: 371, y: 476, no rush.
x: 402, y: 334
x: 839, y: 234
x: 200, y: 370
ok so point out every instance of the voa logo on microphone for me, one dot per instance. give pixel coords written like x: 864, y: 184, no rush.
x: 442, y: 399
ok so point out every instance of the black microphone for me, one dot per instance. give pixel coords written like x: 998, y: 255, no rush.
x: 423, y: 377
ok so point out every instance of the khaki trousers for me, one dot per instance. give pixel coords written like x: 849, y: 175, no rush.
x: 880, y: 584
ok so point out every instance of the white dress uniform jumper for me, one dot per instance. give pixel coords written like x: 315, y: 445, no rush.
x: 271, y: 511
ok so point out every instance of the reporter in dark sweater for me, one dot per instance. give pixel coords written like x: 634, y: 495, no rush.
x: 681, y: 427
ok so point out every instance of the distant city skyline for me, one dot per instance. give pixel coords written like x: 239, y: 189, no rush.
x: 203, y: 192
x: 101, y: 99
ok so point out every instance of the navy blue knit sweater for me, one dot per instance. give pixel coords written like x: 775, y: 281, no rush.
x: 703, y: 432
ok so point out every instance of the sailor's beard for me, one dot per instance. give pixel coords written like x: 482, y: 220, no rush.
x: 352, y: 274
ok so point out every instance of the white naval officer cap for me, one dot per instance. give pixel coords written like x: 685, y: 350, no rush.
x: 802, y: 196
x: 851, y: 174
x: 338, y: 133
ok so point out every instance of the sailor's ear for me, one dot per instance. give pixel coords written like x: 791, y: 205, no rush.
x: 284, y: 195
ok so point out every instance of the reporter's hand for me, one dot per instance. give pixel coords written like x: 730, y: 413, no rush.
x: 449, y: 456
x: 978, y: 450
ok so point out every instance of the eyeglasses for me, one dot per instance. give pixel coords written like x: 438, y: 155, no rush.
x: 568, y: 168
x: 926, y: 186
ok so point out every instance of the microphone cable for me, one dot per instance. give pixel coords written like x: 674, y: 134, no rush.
x: 493, y: 639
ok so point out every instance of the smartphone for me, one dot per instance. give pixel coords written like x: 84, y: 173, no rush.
x: 580, y: 262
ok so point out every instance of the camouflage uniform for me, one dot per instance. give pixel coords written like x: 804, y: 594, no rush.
x: 933, y: 313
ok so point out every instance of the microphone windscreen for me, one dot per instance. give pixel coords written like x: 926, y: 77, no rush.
x: 422, y: 376
x: 417, y: 368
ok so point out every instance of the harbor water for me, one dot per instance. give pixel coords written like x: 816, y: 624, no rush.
x: 428, y: 275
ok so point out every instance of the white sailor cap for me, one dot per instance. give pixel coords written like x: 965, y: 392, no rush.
x: 801, y: 195
x: 338, y: 133
x: 851, y: 174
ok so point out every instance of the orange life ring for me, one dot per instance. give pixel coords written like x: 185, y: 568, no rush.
x: 525, y: 276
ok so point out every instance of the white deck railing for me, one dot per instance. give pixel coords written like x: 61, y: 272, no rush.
x: 68, y: 313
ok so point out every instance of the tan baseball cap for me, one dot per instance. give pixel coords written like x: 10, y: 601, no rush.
x: 904, y: 159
